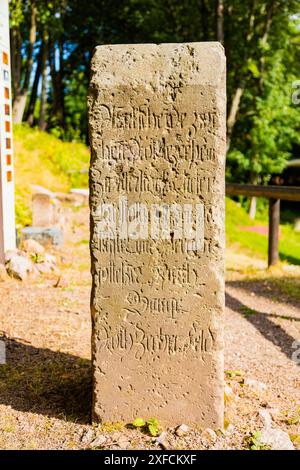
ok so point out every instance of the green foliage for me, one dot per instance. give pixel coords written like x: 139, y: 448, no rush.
x: 151, y: 425
x: 234, y: 373
x: 246, y: 311
x: 260, y: 39
x: 288, y: 286
x: 268, y: 122
x: 295, y: 438
x: 292, y: 417
x: 139, y: 423
x: 16, y: 13
x: 254, y: 441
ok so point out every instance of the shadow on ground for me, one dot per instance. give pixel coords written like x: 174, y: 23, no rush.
x: 284, y: 289
x: 264, y: 324
x: 46, y: 382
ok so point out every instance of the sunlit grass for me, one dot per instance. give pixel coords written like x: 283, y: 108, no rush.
x: 254, y: 243
x: 42, y: 159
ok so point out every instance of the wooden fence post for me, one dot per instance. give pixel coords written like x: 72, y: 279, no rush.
x: 274, y: 220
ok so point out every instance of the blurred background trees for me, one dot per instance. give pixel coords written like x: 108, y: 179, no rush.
x: 52, y: 43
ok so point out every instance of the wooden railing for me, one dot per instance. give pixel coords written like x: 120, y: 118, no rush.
x: 274, y: 194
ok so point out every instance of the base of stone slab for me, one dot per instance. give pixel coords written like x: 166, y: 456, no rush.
x: 172, y: 416
x: 44, y: 235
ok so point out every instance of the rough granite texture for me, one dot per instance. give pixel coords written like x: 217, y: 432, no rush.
x: 157, y: 132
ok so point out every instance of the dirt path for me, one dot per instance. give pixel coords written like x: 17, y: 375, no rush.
x: 45, y: 385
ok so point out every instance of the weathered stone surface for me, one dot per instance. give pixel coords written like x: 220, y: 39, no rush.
x: 32, y: 246
x: 157, y: 129
x: 46, y: 211
x: 20, y: 267
x: 182, y: 430
x: 272, y: 436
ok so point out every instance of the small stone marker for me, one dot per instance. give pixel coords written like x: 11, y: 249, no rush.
x: 157, y: 129
x: 42, y: 210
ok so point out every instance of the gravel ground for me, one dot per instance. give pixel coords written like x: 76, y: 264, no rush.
x: 45, y: 385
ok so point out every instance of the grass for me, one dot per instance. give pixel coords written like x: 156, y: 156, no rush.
x: 44, y: 160
x: 254, y: 243
x: 247, y: 256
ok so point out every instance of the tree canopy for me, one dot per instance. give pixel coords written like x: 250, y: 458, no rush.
x: 52, y: 43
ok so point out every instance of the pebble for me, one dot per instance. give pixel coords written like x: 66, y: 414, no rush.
x: 209, y: 435
x: 99, y: 441
x: 32, y: 246
x: 20, y: 267
x: 44, y: 267
x: 182, y: 430
x: 88, y: 436
x: 230, y: 428
x: 276, y: 439
x: 9, y: 254
x: 162, y: 441
x: 123, y: 442
x: 255, y: 384
x: 272, y: 436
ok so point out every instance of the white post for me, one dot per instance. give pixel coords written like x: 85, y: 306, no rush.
x: 7, y: 199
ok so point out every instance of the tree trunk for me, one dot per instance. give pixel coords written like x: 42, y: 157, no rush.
x: 235, y: 103
x: 264, y: 39
x: 19, y: 107
x: 42, y: 116
x: 16, y: 59
x: 232, y: 116
x: 220, y: 21
x: 252, y: 208
x: 253, y: 199
x: 34, y: 91
x: 58, y: 112
x: 21, y: 91
x: 60, y: 84
x: 204, y: 16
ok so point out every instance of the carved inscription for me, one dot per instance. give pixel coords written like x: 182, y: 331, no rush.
x: 186, y: 140
x: 132, y: 136
x: 138, y: 181
x: 197, y: 341
x: 143, y: 304
x: 135, y: 149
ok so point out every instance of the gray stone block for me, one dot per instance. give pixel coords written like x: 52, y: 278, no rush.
x: 45, y: 236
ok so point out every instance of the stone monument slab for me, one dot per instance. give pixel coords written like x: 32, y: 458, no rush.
x: 157, y: 133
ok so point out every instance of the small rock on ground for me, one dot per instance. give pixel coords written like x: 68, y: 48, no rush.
x: 182, y: 430
x: 273, y: 437
x: 32, y: 246
x: 88, y: 436
x: 20, y: 267
x: 99, y: 441
x: 209, y: 435
x: 162, y: 441
x: 255, y: 384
